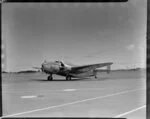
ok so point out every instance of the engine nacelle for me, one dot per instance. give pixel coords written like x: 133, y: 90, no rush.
x: 55, y: 67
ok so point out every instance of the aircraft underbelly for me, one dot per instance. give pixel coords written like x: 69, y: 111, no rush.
x: 77, y: 74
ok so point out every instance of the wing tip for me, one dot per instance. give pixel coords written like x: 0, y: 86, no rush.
x: 110, y: 63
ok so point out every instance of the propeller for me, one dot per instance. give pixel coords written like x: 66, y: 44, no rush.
x: 41, y: 69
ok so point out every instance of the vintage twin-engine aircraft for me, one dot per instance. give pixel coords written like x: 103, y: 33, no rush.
x: 60, y: 68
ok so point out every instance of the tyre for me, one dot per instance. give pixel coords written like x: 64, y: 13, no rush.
x: 49, y: 78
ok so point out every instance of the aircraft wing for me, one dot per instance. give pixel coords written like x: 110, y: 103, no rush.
x: 39, y: 68
x: 85, y: 68
x: 36, y: 68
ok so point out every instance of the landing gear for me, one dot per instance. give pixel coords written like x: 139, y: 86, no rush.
x: 95, y: 74
x: 68, y: 78
x: 50, y: 78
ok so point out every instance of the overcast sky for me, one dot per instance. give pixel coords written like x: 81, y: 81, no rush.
x: 76, y: 33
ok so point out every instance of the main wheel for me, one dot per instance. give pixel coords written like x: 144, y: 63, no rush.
x: 95, y: 74
x: 49, y: 78
x: 68, y: 78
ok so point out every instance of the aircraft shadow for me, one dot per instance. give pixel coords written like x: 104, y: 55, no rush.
x: 74, y: 79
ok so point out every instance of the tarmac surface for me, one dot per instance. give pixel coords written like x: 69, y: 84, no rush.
x: 118, y: 94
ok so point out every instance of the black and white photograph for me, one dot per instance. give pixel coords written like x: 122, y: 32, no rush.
x: 74, y: 59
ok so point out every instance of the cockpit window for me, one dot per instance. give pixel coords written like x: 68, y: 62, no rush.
x: 60, y: 63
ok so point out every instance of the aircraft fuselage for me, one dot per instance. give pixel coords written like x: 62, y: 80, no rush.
x: 63, y: 70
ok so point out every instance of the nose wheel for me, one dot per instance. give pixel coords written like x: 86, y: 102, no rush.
x: 50, y: 78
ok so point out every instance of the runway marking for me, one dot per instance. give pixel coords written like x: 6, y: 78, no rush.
x: 91, y: 88
x: 61, y: 90
x: 120, y: 115
x: 75, y: 102
x: 29, y: 96
x: 69, y: 89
